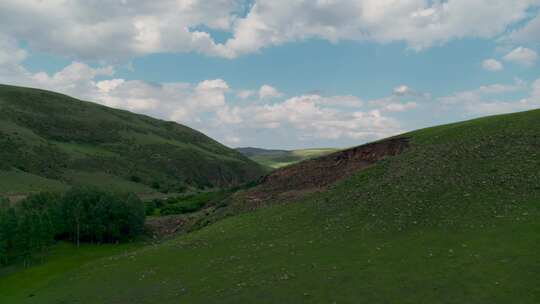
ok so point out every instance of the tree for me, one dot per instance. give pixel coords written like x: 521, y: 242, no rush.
x: 81, y: 215
x: 23, y: 241
x: 3, y: 234
x: 8, y: 229
x: 74, y: 206
x: 136, y: 215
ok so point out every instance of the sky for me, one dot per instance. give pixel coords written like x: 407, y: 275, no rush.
x: 281, y: 74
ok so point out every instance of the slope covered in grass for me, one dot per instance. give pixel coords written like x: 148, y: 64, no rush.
x: 280, y: 158
x: 454, y: 218
x: 69, y: 141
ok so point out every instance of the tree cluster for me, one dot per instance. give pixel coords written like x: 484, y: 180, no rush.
x: 29, y: 227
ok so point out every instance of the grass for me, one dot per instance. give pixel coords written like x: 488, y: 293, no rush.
x: 16, y: 181
x: 52, y: 135
x: 81, y: 151
x: 106, y: 182
x: 64, y: 258
x: 280, y: 255
x: 454, y: 219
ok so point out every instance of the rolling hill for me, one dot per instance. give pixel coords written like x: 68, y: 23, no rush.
x: 280, y: 158
x: 449, y: 214
x: 50, y: 141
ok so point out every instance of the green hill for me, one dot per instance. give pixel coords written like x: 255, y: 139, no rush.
x: 50, y: 141
x: 280, y: 158
x: 449, y: 214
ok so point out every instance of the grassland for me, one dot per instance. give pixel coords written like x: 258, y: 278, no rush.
x: 280, y: 158
x: 62, y: 258
x: 15, y: 181
x: 453, y: 219
x: 62, y: 141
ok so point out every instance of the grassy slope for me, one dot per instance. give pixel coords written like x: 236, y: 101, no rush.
x: 454, y: 219
x: 277, y: 159
x: 62, y: 258
x: 69, y: 141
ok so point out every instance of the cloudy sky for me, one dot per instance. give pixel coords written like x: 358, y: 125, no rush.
x: 281, y: 74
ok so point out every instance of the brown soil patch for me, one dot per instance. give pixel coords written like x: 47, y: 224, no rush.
x: 316, y: 174
x: 165, y: 225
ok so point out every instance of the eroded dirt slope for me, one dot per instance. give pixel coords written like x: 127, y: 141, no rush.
x: 316, y: 174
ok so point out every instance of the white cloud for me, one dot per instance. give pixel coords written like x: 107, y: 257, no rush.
x: 526, y: 34
x: 536, y: 90
x: 522, y: 56
x: 115, y: 31
x: 477, y: 95
x: 487, y: 100
x: 245, y: 94
x: 267, y: 91
x: 399, y: 101
x: 339, y: 101
x: 309, y: 118
x: 492, y: 65
x: 228, y: 115
x: 232, y: 140
x: 210, y: 94
x: 400, y: 107
x: 402, y: 90
x: 9, y: 51
x: 106, y: 86
x: 420, y: 23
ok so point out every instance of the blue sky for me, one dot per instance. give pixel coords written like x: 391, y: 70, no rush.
x: 282, y: 74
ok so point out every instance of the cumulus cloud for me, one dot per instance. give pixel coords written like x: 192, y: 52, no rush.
x: 267, y: 91
x: 118, y: 30
x: 403, y: 98
x: 402, y: 90
x: 522, y: 56
x: 309, y: 118
x: 492, y: 99
x: 492, y: 65
x: 473, y: 96
x: 245, y: 94
x: 420, y: 23
x: 338, y: 101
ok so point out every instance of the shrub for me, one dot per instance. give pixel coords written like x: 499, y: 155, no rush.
x: 150, y: 207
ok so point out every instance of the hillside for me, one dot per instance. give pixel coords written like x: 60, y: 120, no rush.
x: 449, y: 214
x: 280, y: 158
x: 50, y: 141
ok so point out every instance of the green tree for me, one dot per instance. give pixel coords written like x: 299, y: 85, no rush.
x: 9, y: 229
x: 136, y: 215
x: 3, y: 235
x: 24, y: 240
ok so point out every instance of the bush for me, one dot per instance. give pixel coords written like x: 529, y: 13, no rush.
x: 150, y: 207
x: 191, y: 203
x: 135, y: 179
x: 181, y: 208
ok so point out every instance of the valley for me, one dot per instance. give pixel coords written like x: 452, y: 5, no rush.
x: 280, y: 158
x: 448, y: 214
